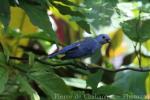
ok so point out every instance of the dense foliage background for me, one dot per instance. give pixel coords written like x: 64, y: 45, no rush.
x: 32, y: 29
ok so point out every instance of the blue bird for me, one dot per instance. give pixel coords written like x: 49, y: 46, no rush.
x: 83, y: 48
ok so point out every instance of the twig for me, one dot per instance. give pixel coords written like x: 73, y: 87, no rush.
x: 121, y: 69
x: 140, y: 56
x: 87, y: 67
x: 137, y: 32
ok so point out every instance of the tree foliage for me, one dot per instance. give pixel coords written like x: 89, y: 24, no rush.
x: 29, y: 28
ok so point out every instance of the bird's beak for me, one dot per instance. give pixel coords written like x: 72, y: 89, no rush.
x: 108, y: 41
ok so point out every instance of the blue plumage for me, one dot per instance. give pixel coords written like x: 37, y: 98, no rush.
x: 83, y: 48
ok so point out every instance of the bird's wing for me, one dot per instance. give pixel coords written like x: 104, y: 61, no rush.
x: 74, y: 46
x: 69, y: 48
x: 65, y: 49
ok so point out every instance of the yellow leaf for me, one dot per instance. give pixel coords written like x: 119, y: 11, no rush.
x: 117, y: 37
x: 117, y: 46
x: 118, y: 51
x: 147, y: 84
x: 144, y: 61
x: 146, y: 44
x: 19, y: 20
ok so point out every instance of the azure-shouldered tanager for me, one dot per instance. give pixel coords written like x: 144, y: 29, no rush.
x: 83, y: 48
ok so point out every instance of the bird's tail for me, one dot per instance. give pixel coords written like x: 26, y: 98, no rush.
x: 53, y: 55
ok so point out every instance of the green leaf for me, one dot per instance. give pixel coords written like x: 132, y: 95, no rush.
x: 129, y: 81
x: 109, y: 90
x: 148, y: 84
x: 25, y: 86
x: 39, y: 17
x: 39, y: 35
x: 31, y: 58
x: 94, y: 79
x: 4, y: 12
x: 79, y: 95
x: 137, y: 31
x: 75, y: 82
x: 67, y: 2
x: 101, y: 11
x: 3, y: 77
x: 145, y: 1
x: 67, y: 10
x: 2, y: 58
x: 146, y: 8
x: 6, y: 51
x: 48, y: 81
x: 84, y: 25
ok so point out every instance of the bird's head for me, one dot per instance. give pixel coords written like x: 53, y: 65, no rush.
x: 103, y: 38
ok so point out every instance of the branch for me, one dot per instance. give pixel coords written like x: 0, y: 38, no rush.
x: 90, y: 67
x: 121, y: 69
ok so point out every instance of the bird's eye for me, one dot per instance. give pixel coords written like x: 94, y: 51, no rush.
x: 103, y: 37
